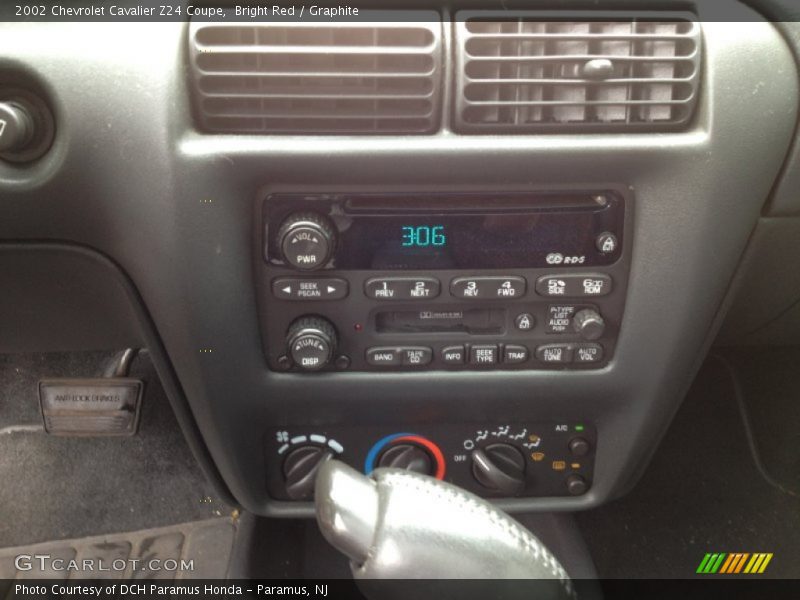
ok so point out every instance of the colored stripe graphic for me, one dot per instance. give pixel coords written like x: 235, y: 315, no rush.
x: 734, y: 563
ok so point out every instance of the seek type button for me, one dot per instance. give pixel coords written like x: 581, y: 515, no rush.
x: 309, y: 289
x: 483, y: 355
x: 573, y: 286
x: 488, y: 288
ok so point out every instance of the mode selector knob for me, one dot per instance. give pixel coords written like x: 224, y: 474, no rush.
x: 311, y: 342
x: 499, y: 467
x: 589, y: 324
x: 306, y: 241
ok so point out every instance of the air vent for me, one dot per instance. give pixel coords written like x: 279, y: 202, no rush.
x: 530, y: 71
x: 322, y: 78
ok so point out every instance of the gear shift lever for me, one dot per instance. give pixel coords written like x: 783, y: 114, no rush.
x: 397, y: 524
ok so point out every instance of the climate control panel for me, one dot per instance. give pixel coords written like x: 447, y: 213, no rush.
x: 451, y: 282
x: 494, y: 461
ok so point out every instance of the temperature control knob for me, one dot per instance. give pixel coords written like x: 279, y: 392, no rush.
x: 408, y: 457
x: 300, y: 470
x: 499, y: 467
x: 306, y: 241
x: 589, y: 324
x: 311, y: 342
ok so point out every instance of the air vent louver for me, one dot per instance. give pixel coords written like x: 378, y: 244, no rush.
x: 530, y: 71
x: 349, y: 77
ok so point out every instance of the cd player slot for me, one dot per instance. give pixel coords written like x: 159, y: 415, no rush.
x: 472, y: 321
x: 481, y: 203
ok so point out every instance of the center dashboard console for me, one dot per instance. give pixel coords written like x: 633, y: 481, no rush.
x: 371, y: 282
x: 407, y: 282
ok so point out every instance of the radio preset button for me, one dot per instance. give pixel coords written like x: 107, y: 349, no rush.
x: 514, y: 355
x: 416, y: 357
x: 454, y: 355
x: 554, y: 354
x: 309, y: 289
x: 488, y: 288
x: 575, y: 286
x: 384, y: 357
x: 402, y: 288
x: 483, y: 355
x: 588, y: 353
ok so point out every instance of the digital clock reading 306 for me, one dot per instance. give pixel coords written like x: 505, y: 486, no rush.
x: 423, y: 236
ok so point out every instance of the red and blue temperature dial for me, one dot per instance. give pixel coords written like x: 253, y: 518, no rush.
x: 406, y: 450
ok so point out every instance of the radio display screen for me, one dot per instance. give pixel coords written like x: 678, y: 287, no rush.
x: 539, y: 234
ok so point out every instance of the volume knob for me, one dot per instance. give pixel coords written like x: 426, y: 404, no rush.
x: 311, y: 342
x: 306, y: 241
x: 589, y: 324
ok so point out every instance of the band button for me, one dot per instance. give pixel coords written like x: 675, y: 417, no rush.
x: 384, y: 357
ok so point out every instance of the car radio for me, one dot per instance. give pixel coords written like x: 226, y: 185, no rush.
x: 366, y: 282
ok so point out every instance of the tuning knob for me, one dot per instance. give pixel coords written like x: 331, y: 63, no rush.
x: 499, y: 467
x: 408, y: 457
x: 311, y: 342
x: 589, y: 324
x: 300, y: 470
x: 306, y: 240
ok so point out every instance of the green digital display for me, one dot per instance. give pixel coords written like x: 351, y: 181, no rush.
x: 423, y: 236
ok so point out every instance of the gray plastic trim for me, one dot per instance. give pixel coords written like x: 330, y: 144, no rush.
x: 177, y: 210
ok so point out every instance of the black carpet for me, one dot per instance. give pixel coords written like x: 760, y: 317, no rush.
x: 56, y: 488
x: 702, y: 493
x: 769, y: 384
